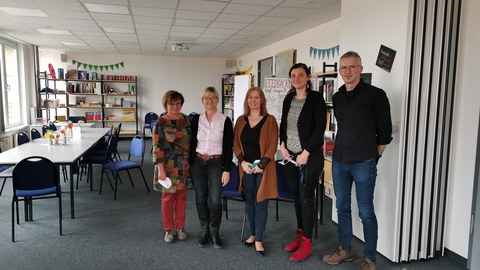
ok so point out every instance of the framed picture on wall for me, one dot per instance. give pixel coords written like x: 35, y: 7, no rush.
x: 283, y: 61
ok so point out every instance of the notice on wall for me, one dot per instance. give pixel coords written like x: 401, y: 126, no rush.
x: 385, y: 58
x: 275, y: 90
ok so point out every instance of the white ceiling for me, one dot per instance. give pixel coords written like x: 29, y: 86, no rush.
x: 211, y: 28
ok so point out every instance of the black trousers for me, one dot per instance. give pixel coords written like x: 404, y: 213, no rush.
x: 304, y: 193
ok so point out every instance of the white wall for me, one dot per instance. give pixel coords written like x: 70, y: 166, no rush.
x: 365, y: 26
x: 156, y: 75
x: 464, y: 133
x: 322, y: 36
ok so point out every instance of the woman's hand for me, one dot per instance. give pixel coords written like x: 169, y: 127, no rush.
x: 284, y: 151
x: 246, y: 167
x: 302, y: 159
x: 257, y: 170
x: 162, y: 175
x: 225, y: 178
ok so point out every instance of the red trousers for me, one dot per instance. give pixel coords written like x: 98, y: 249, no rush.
x: 174, y: 207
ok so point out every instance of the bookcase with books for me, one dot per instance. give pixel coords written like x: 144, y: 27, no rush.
x: 228, y: 92
x: 105, y: 99
x: 327, y: 84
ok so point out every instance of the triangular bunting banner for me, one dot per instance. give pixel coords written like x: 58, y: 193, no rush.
x: 322, y: 52
x: 85, y: 65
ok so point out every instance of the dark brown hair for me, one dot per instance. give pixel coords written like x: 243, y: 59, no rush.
x: 171, y: 96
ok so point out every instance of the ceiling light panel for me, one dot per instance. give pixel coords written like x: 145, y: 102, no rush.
x: 172, y: 4
x: 112, y: 9
x: 154, y: 12
x: 54, y: 32
x: 246, y: 9
x: 111, y: 17
x: 145, y: 20
x: 198, y: 5
x: 118, y: 30
x: 196, y: 15
x: 27, y: 12
x: 271, y: 3
x: 197, y: 23
x: 73, y: 44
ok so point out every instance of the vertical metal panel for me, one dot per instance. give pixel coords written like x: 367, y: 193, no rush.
x: 429, y: 106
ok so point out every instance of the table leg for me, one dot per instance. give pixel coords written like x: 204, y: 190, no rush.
x: 72, y: 205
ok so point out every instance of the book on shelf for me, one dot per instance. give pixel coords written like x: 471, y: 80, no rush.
x: 128, y: 114
x: 328, y: 147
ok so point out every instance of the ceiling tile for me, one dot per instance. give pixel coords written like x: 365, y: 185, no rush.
x: 198, y: 5
x: 246, y: 9
x: 154, y: 12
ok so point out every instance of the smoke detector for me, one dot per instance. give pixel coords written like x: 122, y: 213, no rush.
x: 180, y: 47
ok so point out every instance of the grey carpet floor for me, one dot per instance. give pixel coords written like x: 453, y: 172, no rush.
x: 128, y: 234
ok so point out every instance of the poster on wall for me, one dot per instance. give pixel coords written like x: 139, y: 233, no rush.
x: 283, y: 62
x: 385, y: 58
x: 275, y: 90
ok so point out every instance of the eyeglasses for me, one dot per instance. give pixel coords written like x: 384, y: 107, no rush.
x: 175, y: 104
x: 349, y: 68
x: 209, y: 98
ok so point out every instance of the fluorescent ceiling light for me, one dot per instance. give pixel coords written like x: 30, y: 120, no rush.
x: 24, y: 12
x: 118, y: 30
x: 73, y: 44
x: 54, y: 32
x: 115, y: 9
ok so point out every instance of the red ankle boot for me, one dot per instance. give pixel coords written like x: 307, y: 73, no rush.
x: 303, y: 251
x: 293, y: 246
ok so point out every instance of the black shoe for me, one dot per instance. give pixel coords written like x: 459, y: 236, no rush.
x: 260, y: 253
x: 248, y: 244
x: 204, y: 240
x: 217, y: 242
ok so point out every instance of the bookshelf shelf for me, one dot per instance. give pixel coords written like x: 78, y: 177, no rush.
x: 80, y: 97
x: 228, y: 94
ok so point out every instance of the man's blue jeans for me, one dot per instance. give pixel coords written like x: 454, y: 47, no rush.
x: 364, y: 175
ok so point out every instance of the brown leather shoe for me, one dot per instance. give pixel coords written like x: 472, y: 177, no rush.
x: 338, y: 255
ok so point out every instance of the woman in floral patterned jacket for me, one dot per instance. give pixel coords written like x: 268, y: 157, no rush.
x: 171, y: 146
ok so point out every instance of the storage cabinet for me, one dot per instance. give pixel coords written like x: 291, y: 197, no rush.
x: 110, y: 100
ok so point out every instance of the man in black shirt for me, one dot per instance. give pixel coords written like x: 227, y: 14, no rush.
x: 364, y: 129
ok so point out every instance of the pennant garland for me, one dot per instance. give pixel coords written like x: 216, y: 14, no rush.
x: 314, y: 52
x: 95, y: 67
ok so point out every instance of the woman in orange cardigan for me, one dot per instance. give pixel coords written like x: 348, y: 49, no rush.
x: 255, y: 142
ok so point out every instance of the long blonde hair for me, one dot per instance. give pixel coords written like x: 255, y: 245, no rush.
x: 263, y: 106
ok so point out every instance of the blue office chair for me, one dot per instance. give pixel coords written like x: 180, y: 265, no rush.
x: 149, y: 117
x: 230, y: 192
x: 282, y: 185
x: 22, y: 138
x: 35, y: 178
x: 137, y: 151
x: 35, y: 134
x: 75, y: 119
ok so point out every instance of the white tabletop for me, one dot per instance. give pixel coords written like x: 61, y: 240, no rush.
x: 59, y: 124
x: 58, y: 154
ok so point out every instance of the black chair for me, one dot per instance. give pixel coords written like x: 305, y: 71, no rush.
x: 52, y: 126
x: 137, y: 151
x: 75, y: 119
x: 35, y: 134
x: 22, y: 138
x: 35, y: 178
x: 149, y: 117
x: 100, y: 157
x: 2, y: 169
x: 45, y: 128
x: 230, y: 192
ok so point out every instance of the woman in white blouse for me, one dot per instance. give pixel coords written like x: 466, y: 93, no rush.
x: 210, y: 160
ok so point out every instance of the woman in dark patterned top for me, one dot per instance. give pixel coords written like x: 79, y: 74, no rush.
x: 171, y: 146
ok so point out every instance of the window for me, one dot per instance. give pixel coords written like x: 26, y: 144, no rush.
x: 9, y: 77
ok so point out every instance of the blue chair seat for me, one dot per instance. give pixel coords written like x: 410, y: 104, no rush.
x: 36, y: 192
x: 121, y: 165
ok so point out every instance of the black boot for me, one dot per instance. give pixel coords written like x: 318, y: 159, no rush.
x: 204, y: 239
x: 204, y: 218
x: 215, y: 219
x: 217, y: 242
